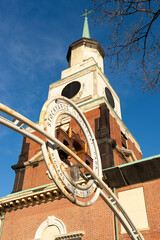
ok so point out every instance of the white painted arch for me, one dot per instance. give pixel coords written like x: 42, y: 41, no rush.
x: 53, y: 222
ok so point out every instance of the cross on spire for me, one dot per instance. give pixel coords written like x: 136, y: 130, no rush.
x: 86, y: 13
x: 86, y: 32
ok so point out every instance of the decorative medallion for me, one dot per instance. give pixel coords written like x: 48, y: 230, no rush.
x: 52, y: 111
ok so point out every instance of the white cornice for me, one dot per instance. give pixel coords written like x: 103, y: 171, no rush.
x: 30, y: 197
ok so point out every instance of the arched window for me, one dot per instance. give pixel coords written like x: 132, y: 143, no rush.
x: 54, y: 229
x: 50, y: 228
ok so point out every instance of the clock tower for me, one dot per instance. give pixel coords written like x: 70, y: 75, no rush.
x: 85, y: 83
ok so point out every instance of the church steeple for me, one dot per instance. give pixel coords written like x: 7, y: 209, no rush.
x: 85, y: 48
x: 86, y: 32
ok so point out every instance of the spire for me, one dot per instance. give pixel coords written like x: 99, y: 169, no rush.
x: 86, y: 32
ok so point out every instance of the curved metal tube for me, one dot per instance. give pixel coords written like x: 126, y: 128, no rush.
x: 111, y: 200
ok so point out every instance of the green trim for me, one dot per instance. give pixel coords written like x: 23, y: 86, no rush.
x: 83, y: 70
x: 2, y: 219
x: 94, y: 100
x: 74, y: 73
x: 112, y: 109
x: 135, y: 162
x: 30, y: 189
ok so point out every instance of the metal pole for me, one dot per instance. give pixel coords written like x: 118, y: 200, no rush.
x: 112, y: 201
x: 116, y: 221
x: 2, y: 222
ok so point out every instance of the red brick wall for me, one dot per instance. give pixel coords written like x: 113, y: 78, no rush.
x: 91, y: 116
x: 152, y: 201
x: 34, y: 147
x: 96, y: 220
x: 132, y: 147
x: 116, y: 134
x: 36, y: 176
x: 115, y: 130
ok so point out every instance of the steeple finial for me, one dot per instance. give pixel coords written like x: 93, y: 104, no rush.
x: 86, y: 32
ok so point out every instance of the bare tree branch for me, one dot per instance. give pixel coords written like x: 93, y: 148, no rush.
x: 134, y: 36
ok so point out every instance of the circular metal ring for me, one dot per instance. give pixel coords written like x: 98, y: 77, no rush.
x: 52, y: 110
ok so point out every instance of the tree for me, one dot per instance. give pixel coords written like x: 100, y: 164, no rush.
x: 135, y: 36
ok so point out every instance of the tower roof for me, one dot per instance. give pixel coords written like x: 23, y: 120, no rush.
x: 77, y: 52
x: 86, y: 42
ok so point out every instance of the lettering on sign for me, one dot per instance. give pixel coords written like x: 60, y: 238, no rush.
x: 55, y: 109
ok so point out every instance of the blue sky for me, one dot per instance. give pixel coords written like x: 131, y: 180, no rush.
x: 34, y: 39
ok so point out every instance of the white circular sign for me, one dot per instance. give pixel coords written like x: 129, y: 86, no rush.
x: 52, y: 111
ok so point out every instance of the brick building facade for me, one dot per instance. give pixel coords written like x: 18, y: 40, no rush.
x: 36, y: 209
